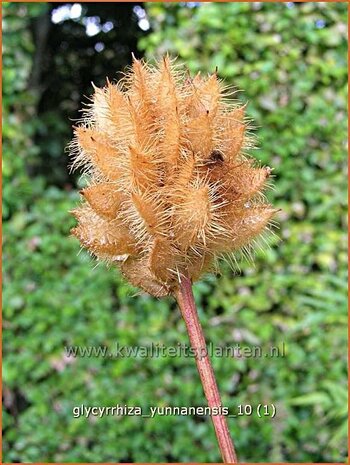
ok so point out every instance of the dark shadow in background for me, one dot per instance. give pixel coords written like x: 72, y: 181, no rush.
x: 76, y: 44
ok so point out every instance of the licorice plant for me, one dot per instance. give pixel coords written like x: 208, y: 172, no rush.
x: 171, y: 189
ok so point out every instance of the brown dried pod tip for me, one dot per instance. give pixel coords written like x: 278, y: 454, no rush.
x: 171, y: 188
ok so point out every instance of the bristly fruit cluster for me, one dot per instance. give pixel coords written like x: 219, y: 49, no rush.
x: 171, y: 187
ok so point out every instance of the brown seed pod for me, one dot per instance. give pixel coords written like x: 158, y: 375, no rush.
x: 171, y: 188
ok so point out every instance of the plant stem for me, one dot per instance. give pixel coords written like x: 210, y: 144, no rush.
x: 185, y: 299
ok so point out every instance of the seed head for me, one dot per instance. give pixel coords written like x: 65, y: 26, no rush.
x: 171, y: 188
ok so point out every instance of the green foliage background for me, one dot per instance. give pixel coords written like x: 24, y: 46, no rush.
x: 290, y: 60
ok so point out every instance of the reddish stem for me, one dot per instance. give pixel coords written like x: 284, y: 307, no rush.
x: 185, y: 299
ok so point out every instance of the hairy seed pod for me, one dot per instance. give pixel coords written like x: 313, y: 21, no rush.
x: 171, y: 185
